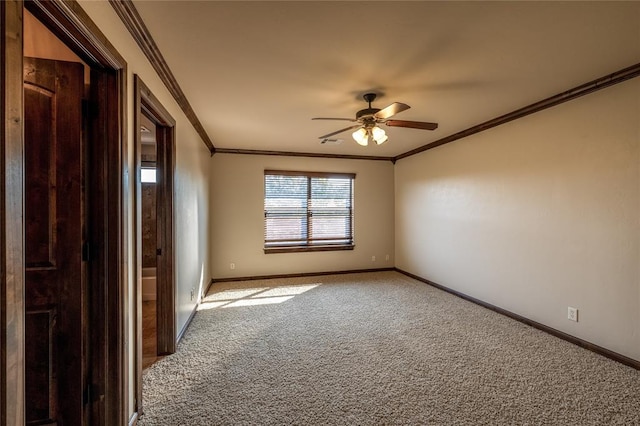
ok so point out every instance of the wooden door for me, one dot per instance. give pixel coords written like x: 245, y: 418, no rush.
x: 54, y: 294
x: 165, y: 284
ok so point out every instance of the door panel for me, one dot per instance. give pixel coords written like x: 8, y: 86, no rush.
x: 40, y: 383
x: 54, y: 289
x: 40, y: 169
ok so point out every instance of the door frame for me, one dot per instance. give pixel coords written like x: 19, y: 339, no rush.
x: 146, y: 103
x: 108, y: 187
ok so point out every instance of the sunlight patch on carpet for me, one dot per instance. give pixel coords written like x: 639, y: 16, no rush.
x: 240, y: 297
x: 258, y: 301
x: 233, y: 294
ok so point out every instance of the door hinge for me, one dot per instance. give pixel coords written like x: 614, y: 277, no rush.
x: 86, y: 251
x: 91, y: 394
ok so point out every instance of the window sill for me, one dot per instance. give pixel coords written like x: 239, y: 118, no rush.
x: 298, y: 249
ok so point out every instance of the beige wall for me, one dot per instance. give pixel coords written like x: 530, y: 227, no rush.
x: 39, y: 42
x: 191, y: 179
x: 532, y: 216
x: 237, y: 216
x: 535, y: 216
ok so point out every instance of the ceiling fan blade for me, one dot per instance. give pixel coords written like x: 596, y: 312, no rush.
x: 339, y: 131
x: 412, y: 124
x: 332, y: 118
x: 391, y: 110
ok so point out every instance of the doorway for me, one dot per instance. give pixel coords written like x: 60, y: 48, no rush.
x: 62, y: 362
x: 149, y: 238
x: 154, y: 236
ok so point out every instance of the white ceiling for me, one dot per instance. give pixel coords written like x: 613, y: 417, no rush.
x: 257, y: 72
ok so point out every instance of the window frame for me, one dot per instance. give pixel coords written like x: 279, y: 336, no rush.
x: 310, y: 246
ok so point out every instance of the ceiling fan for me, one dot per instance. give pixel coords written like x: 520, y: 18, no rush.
x: 369, y: 118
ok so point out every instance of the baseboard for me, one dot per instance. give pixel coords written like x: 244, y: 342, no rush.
x: 133, y: 420
x: 557, y: 333
x: 187, y: 324
x: 298, y: 275
x: 208, y: 287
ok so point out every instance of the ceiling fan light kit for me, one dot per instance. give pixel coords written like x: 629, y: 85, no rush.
x: 361, y: 136
x: 365, y: 135
x: 379, y: 135
x: 369, y: 118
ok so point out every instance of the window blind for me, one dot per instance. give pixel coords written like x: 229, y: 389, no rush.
x: 308, y: 209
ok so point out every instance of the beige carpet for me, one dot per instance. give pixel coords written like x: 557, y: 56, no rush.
x: 376, y: 349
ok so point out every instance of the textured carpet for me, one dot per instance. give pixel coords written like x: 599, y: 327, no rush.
x: 376, y: 348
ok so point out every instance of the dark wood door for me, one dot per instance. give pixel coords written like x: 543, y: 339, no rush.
x: 54, y: 293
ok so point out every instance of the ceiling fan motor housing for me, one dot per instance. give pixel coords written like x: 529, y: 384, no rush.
x: 366, y: 113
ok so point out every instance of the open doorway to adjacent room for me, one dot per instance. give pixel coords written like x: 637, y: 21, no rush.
x: 149, y: 239
x: 155, y: 331
x: 64, y: 86
x: 56, y: 84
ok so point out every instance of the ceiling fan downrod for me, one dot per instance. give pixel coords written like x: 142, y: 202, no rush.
x: 369, y: 97
x: 368, y: 113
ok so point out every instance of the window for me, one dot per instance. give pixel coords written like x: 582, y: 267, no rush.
x: 305, y: 211
x: 148, y: 175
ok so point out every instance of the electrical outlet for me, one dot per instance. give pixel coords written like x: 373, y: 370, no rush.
x: 386, y: 257
x: 373, y: 258
x: 572, y: 314
x: 232, y: 265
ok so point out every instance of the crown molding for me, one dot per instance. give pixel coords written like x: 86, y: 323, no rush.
x: 135, y: 25
x: 300, y: 154
x: 576, y: 92
x: 133, y: 22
